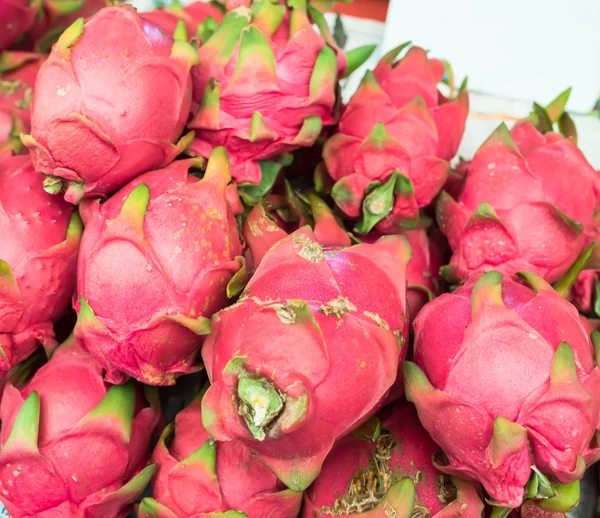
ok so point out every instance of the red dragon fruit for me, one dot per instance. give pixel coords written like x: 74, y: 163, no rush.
x: 193, y: 16
x: 71, y: 445
x: 16, y: 18
x: 265, y: 84
x: 505, y: 380
x: 385, y: 469
x: 157, y: 260
x: 200, y: 478
x: 527, y: 203
x: 18, y: 71
x: 307, y: 353
x: 109, y: 103
x: 396, y: 136
x: 38, y: 260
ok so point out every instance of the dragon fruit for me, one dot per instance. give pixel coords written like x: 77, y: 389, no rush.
x: 505, y: 380
x: 265, y: 84
x: 157, y: 260
x: 385, y: 469
x: 16, y: 18
x: 71, y: 445
x: 18, y: 71
x: 38, y: 260
x: 396, y: 136
x: 307, y: 353
x: 224, y: 475
x: 98, y: 122
x: 195, y: 17
x: 527, y: 203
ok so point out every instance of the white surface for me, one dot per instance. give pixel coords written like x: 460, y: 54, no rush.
x: 488, y: 111
x: 518, y: 49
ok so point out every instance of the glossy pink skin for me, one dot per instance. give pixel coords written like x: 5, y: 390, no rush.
x: 241, y: 483
x: 193, y: 15
x: 17, y: 87
x: 283, y: 100
x: 113, y: 108
x: 77, y: 468
x: 523, y: 187
x: 41, y: 256
x: 345, y: 366
x: 16, y: 18
x: 412, y: 454
x: 179, y: 265
x: 498, y: 363
x: 424, y: 132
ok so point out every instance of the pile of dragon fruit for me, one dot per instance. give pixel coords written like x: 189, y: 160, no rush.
x: 366, y: 324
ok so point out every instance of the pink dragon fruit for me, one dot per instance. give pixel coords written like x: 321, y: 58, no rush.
x: 194, y: 17
x: 38, y: 260
x: 390, y: 156
x: 385, y: 469
x: 18, y: 71
x: 157, y: 260
x: 307, y: 353
x: 98, y: 122
x: 527, y: 203
x: 265, y: 84
x: 224, y: 477
x: 72, y: 446
x: 16, y: 18
x: 505, y: 378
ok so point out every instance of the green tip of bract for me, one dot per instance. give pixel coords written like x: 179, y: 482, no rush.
x: 325, y: 72
x: 535, y: 281
x: 501, y: 136
x: 255, y: 52
x: 557, y: 107
x: 180, y: 31
x: 24, y: 433
x: 260, y: 404
x: 135, y: 206
x: 150, y: 508
x: 357, y: 57
x: 218, y: 167
x: 563, y: 365
x: 118, y: 403
x: 400, y: 498
x: 181, y: 49
x: 487, y: 291
x: 507, y: 438
x: 69, y: 37
x: 75, y: 229
x: 259, y: 129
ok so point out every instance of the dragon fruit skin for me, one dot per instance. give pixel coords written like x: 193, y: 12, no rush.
x: 271, y: 93
x: 38, y: 260
x: 17, y: 76
x: 71, y: 445
x: 94, y: 128
x: 171, y: 241
x: 527, y: 203
x: 16, y: 18
x: 224, y: 475
x: 193, y: 15
x: 504, y: 379
x: 400, y: 455
x: 306, y: 331
x: 398, y: 131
